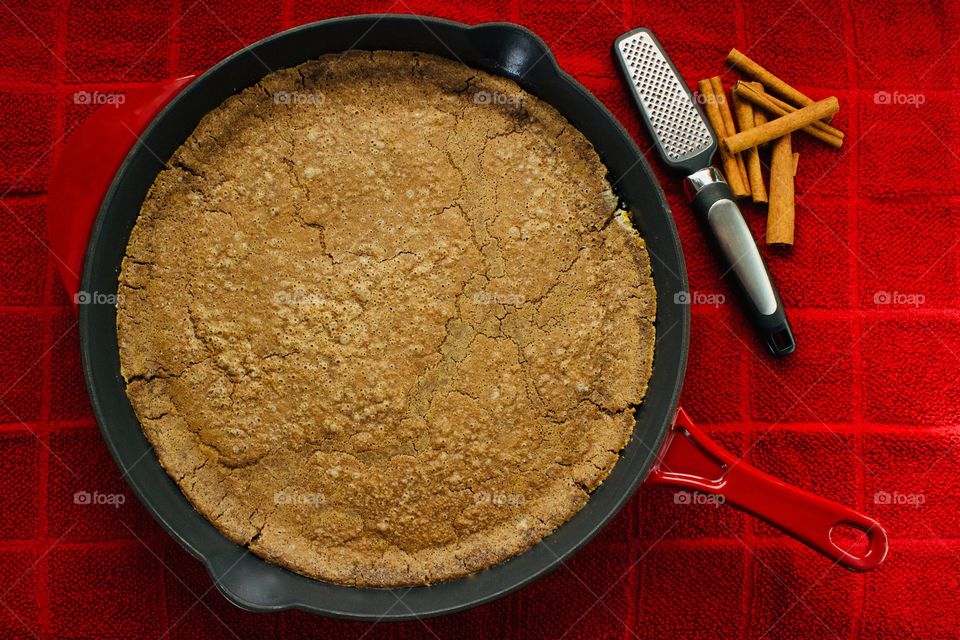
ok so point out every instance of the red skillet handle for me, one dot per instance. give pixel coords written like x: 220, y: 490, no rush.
x: 86, y: 167
x: 691, y: 459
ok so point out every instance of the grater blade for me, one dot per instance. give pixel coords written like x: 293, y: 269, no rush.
x: 679, y: 129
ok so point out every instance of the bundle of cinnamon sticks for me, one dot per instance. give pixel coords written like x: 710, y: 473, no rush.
x: 765, y: 110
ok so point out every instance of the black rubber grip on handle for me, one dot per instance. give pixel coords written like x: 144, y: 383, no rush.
x: 717, y: 209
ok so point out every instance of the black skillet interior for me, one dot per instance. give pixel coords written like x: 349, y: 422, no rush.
x: 498, y: 48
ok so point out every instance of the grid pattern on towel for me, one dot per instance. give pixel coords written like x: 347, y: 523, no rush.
x: 865, y: 412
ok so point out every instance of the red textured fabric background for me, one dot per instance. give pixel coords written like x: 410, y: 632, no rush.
x: 869, y: 403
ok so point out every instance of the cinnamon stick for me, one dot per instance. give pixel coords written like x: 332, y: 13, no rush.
x: 819, y: 124
x: 712, y: 110
x: 796, y: 163
x: 781, y: 126
x: 771, y: 83
x: 745, y: 118
x: 759, y: 115
x: 745, y: 91
x: 729, y: 125
x: 780, y: 214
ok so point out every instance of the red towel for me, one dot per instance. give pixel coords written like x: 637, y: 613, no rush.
x: 866, y: 412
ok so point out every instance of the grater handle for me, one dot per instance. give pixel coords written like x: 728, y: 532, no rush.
x: 714, y: 204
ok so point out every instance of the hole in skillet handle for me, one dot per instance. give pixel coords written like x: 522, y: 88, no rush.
x: 860, y: 546
x: 850, y: 538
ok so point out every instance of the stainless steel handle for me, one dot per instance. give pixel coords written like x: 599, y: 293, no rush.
x: 713, y: 201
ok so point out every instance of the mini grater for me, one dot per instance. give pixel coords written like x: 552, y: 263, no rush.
x: 687, y: 143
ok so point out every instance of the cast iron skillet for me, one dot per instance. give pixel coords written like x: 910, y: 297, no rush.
x: 502, y: 49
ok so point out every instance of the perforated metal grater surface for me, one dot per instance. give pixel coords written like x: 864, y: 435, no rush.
x: 685, y: 141
x: 678, y: 127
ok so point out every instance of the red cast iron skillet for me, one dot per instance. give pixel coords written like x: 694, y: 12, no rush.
x: 665, y: 447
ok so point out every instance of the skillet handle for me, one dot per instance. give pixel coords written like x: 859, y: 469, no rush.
x: 86, y: 168
x: 691, y: 459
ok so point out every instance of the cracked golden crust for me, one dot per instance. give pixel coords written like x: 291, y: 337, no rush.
x: 387, y: 334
